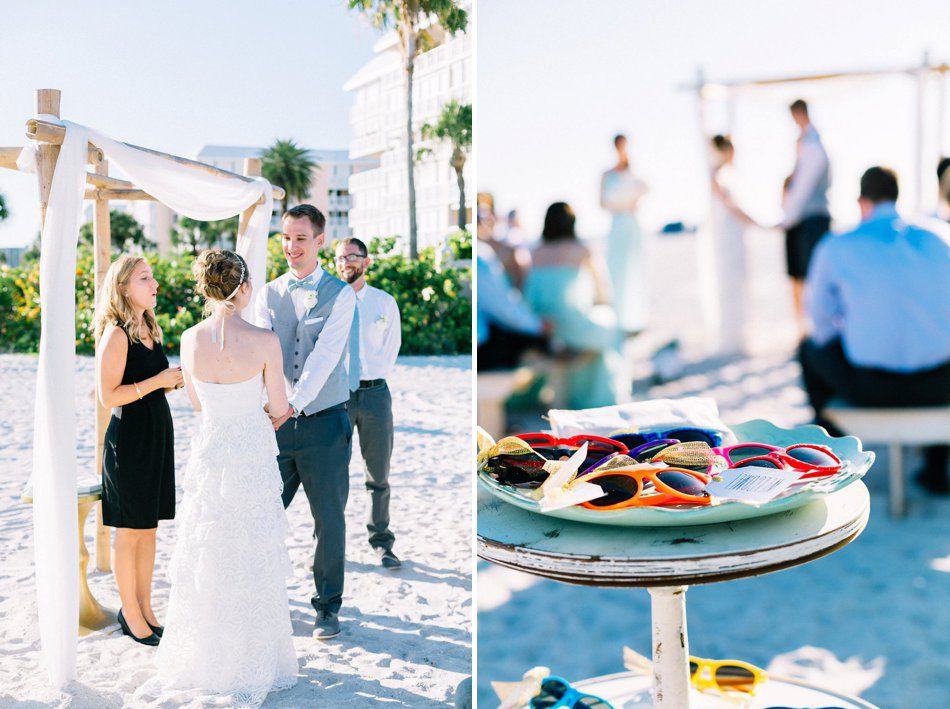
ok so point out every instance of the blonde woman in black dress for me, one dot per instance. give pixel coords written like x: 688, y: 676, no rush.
x: 138, y: 466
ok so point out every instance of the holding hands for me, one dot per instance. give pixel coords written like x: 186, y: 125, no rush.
x: 279, y: 421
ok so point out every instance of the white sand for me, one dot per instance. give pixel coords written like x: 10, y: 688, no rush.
x: 872, y: 619
x: 406, y: 635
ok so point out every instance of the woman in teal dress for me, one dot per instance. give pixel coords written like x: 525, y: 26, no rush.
x: 565, y: 287
x: 620, y: 193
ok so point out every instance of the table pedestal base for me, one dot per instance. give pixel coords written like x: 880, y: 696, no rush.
x: 670, y: 647
x: 92, y: 616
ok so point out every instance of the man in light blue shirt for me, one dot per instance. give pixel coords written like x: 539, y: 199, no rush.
x: 878, y: 298
x: 506, y: 326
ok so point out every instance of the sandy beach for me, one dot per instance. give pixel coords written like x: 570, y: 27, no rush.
x: 406, y: 635
x: 869, y: 619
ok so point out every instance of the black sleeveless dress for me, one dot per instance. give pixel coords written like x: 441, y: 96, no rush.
x: 138, y: 464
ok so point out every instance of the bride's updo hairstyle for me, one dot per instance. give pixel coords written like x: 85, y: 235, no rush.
x: 722, y: 143
x: 218, y: 276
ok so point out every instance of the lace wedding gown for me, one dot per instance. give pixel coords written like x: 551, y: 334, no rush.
x: 228, y: 636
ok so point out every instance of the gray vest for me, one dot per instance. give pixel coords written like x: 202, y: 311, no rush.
x: 298, y: 337
x: 817, y: 202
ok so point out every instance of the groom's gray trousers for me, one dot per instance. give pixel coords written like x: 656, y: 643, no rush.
x: 315, y: 452
x: 371, y: 413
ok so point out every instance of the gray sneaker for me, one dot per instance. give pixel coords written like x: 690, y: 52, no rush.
x: 327, y: 625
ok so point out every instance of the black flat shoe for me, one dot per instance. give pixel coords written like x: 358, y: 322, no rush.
x: 157, y: 629
x: 152, y: 639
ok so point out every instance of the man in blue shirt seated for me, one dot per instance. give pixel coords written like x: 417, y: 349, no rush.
x: 506, y: 326
x: 878, y: 298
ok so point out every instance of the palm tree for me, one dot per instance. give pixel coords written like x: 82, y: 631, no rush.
x: 454, y: 125
x: 410, y: 20
x: 288, y: 165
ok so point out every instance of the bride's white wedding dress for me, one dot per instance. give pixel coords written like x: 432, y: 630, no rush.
x: 227, y: 629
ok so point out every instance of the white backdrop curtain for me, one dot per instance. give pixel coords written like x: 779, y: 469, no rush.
x: 187, y: 190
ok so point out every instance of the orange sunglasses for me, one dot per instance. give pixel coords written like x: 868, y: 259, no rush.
x: 624, y: 481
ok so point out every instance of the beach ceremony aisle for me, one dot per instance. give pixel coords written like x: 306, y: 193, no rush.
x: 406, y: 635
x: 869, y: 620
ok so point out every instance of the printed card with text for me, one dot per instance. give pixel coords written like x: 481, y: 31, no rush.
x: 752, y: 484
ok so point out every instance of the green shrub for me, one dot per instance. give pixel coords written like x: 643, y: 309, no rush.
x: 435, y: 306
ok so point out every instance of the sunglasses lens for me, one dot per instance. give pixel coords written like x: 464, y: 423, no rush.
x: 619, y: 488
x: 518, y: 471
x: 630, y: 440
x: 740, y: 453
x: 735, y: 677
x: 681, y: 482
x: 687, y: 435
x: 693, y: 668
x: 812, y: 456
x: 646, y: 452
x: 752, y: 463
x: 590, y: 702
x: 552, y: 688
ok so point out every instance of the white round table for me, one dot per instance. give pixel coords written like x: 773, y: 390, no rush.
x: 666, y: 560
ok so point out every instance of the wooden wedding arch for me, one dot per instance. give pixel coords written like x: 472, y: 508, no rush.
x: 925, y: 74
x: 101, y: 189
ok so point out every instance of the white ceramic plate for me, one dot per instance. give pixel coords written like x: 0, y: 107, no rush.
x: 758, y: 431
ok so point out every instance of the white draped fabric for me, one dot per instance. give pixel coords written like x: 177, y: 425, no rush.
x: 189, y: 191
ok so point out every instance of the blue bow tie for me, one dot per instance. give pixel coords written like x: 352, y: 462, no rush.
x: 306, y: 283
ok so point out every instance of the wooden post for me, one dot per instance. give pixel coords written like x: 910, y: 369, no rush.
x: 252, y: 168
x: 922, y: 74
x: 102, y: 250
x: 47, y: 101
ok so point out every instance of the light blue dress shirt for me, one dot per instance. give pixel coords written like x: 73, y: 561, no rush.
x: 884, y: 289
x: 497, y: 301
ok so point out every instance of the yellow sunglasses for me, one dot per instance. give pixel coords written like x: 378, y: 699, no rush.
x: 725, y: 675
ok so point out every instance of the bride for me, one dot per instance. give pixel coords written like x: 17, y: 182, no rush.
x: 228, y: 631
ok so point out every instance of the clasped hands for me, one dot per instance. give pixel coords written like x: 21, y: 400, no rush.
x: 278, y: 421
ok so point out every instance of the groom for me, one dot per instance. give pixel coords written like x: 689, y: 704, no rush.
x: 312, y: 313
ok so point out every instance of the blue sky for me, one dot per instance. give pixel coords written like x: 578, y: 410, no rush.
x: 557, y: 79
x: 176, y: 75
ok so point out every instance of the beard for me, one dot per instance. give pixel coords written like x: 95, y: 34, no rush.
x: 352, y: 275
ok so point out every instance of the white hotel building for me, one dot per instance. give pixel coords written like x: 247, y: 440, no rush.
x: 380, y: 204
x: 329, y: 186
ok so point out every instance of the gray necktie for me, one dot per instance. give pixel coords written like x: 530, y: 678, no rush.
x: 355, y: 350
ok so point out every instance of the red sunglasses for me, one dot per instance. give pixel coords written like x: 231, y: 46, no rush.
x: 813, y: 460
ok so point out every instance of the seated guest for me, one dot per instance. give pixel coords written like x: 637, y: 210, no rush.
x: 506, y: 326
x: 878, y: 298
x: 943, y: 184
x: 566, y: 286
x: 513, y: 257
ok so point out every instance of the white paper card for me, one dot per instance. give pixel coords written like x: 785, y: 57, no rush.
x: 581, y: 492
x: 752, y: 484
x: 557, y: 490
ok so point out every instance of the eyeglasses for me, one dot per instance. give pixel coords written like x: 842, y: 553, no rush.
x: 557, y: 692
x: 513, y: 462
x: 553, y: 448
x: 685, y: 434
x: 729, y: 675
x: 813, y: 459
x: 350, y: 258
x: 624, y: 482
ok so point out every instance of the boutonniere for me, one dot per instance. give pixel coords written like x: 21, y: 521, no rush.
x: 310, y: 300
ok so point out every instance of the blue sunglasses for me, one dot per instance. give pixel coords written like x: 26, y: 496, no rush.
x: 683, y: 434
x: 558, y: 692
